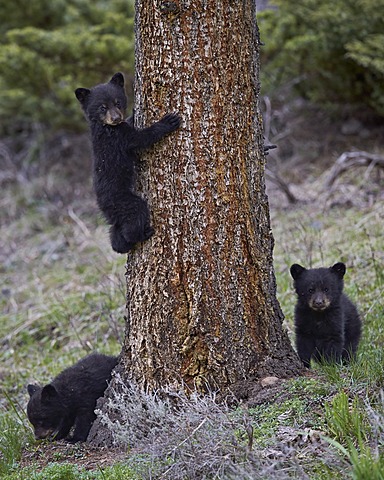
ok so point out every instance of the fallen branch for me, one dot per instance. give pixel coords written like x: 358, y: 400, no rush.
x: 349, y: 160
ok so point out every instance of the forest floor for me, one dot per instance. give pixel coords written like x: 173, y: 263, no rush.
x: 63, y: 294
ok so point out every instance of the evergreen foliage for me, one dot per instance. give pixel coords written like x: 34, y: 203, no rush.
x: 50, y: 47
x: 332, y: 50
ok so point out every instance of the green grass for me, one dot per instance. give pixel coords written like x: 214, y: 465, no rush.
x: 69, y: 471
x: 13, y: 436
x: 63, y: 295
x: 354, y: 435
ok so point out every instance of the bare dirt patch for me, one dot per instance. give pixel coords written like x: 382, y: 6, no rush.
x: 80, y: 454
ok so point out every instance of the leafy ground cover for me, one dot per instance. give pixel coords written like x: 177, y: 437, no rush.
x: 63, y: 295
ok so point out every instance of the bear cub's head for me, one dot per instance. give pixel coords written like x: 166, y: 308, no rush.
x: 106, y: 103
x: 45, y: 410
x: 318, y: 288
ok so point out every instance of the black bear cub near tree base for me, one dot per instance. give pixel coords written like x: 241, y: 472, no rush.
x: 115, y: 142
x: 327, y: 324
x: 70, y: 399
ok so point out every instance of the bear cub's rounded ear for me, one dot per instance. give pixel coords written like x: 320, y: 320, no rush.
x: 48, y: 393
x: 32, y: 389
x: 339, y: 269
x: 118, y: 79
x: 82, y: 94
x: 296, y: 270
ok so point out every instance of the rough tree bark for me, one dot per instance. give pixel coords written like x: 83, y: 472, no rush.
x: 201, y: 294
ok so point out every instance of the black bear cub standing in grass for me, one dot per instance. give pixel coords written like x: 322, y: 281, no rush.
x: 70, y: 399
x: 327, y: 324
x: 115, y: 142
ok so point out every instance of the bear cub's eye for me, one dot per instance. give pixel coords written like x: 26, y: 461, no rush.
x: 117, y: 104
x: 103, y: 108
x: 325, y: 290
x: 310, y: 290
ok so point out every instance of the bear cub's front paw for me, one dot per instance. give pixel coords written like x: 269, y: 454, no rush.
x: 172, y: 121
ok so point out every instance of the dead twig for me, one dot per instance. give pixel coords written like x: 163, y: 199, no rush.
x: 275, y: 178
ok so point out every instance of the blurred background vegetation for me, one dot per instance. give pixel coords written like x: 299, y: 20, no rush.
x: 50, y: 47
x: 331, y: 52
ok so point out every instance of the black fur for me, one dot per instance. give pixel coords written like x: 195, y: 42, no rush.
x: 327, y: 324
x: 115, y: 142
x: 70, y: 399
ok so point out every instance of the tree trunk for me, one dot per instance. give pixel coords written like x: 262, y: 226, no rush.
x: 201, y: 293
